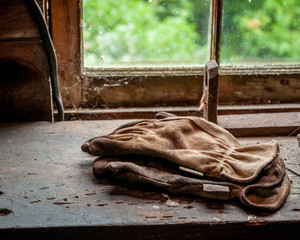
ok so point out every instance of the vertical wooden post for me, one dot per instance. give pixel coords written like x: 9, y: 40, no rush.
x: 209, y: 99
x: 65, y: 25
x: 216, y: 28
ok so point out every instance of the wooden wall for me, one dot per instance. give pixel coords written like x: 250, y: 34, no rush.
x: 25, y: 91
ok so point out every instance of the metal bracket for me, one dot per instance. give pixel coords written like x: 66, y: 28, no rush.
x: 209, y: 100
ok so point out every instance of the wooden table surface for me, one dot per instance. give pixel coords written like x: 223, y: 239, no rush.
x: 48, y: 191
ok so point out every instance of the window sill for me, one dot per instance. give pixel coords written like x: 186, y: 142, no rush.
x: 241, y: 121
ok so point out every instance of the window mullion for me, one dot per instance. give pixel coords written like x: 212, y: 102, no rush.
x: 216, y: 27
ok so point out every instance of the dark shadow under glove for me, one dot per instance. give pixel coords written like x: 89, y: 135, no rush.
x: 268, y: 192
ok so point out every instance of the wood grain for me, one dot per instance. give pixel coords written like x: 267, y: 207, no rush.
x: 16, y: 20
x: 149, y: 91
x: 25, y: 92
x: 263, y: 124
x: 269, y: 88
x: 141, y: 91
x: 65, y: 22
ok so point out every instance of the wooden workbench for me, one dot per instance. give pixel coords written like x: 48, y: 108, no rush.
x: 48, y: 191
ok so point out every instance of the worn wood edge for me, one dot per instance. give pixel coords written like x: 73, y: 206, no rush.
x: 133, y: 113
x: 210, y: 91
x: 192, y: 230
x: 274, y: 124
x: 276, y: 70
x: 264, y: 131
x: 145, y: 71
x: 262, y: 124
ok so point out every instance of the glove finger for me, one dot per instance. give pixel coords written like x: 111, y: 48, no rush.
x: 123, y: 133
x: 131, y: 124
x: 106, y: 146
x: 163, y: 115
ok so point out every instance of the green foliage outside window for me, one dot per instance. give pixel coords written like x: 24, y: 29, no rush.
x: 261, y: 31
x: 137, y: 31
x: 142, y: 32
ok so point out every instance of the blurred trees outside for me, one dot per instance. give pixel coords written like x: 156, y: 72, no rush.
x: 141, y: 32
x: 265, y: 31
x: 145, y: 31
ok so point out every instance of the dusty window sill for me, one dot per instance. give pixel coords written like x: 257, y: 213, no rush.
x: 241, y: 121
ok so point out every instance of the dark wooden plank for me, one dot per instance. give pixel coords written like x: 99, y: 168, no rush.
x: 48, y: 184
x: 240, y: 121
x: 126, y: 113
x: 65, y: 22
x: 25, y: 92
x: 264, y: 124
x: 16, y: 20
x: 191, y: 231
x: 256, y: 88
x: 209, y: 100
x: 140, y: 113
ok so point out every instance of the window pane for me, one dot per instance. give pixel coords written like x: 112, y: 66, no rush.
x: 146, y: 32
x: 261, y: 32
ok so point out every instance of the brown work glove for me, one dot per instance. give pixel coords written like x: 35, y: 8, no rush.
x: 268, y: 192
x: 190, y: 142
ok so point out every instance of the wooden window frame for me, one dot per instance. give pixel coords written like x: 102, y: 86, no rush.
x: 162, y: 87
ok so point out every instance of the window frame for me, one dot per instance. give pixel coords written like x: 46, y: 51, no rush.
x: 76, y: 81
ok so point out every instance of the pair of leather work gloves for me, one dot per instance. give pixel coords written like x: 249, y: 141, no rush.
x: 191, y: 156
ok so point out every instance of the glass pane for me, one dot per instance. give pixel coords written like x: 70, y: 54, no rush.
x: 261, y: 32
x: 145, y: 32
